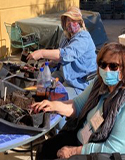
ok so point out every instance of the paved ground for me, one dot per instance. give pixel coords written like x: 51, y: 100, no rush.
x: 113, y: 29
x: 15, y: 156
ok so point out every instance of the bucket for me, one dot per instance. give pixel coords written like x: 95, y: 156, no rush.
x: 122, y: 39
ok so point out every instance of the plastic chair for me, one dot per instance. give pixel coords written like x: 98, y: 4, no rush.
x: 18, y: 40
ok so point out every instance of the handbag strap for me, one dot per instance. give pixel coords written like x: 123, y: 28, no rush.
x: 116, y: 156
x: 92, y: 156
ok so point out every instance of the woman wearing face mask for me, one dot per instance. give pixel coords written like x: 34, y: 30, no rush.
x: 96, y: 117
x: 76, y: 54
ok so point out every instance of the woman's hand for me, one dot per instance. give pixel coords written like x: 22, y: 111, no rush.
x: 51, y: 54
x: 65, y: 108
x: 45, y: 105
x: 36, y: 55
x: 68, y: 151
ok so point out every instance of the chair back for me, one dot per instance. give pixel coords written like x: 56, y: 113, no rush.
x: 18, y: 40
x: 14, y: 33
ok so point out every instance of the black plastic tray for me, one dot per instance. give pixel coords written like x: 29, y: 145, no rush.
x: 8, y: 125
x: 11, y: 128
x: 4, y: 73
x: 14, y: 83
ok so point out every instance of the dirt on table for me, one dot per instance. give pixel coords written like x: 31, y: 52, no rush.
x: 16, y: 109
x: 18, y: 98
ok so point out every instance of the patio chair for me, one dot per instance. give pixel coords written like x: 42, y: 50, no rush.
x: 21, y: 41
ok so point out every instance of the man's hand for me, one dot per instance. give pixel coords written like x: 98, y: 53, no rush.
x: 68, y: 151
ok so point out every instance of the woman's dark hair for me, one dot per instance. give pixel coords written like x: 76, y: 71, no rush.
x: 113, y: 48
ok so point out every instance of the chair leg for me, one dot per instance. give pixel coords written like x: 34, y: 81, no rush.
x: 31, y: 150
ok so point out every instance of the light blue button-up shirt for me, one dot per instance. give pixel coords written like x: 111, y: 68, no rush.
x: 78, y: 59
x: 116, y: 140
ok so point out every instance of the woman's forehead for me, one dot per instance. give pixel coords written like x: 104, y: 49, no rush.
x: 109, y: 57
x: 68, y: 18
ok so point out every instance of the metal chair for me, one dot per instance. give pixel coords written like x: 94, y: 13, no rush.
x: 21, y: 41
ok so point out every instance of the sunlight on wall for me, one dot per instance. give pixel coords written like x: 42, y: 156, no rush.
x: 10, y: 11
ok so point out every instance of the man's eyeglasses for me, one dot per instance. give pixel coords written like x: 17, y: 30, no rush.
x: 112, y: 66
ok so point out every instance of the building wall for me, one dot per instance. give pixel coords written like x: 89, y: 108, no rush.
x: 13, y: 10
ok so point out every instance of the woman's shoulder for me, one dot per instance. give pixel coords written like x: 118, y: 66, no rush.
x: 82, y: 34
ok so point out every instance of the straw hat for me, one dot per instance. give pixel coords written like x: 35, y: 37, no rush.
x: 75, y: 14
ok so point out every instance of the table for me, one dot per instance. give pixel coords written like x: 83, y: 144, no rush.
x: 10, y: 141
x: 49, y: 30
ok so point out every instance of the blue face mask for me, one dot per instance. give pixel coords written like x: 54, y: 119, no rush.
x: 110, y: 78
